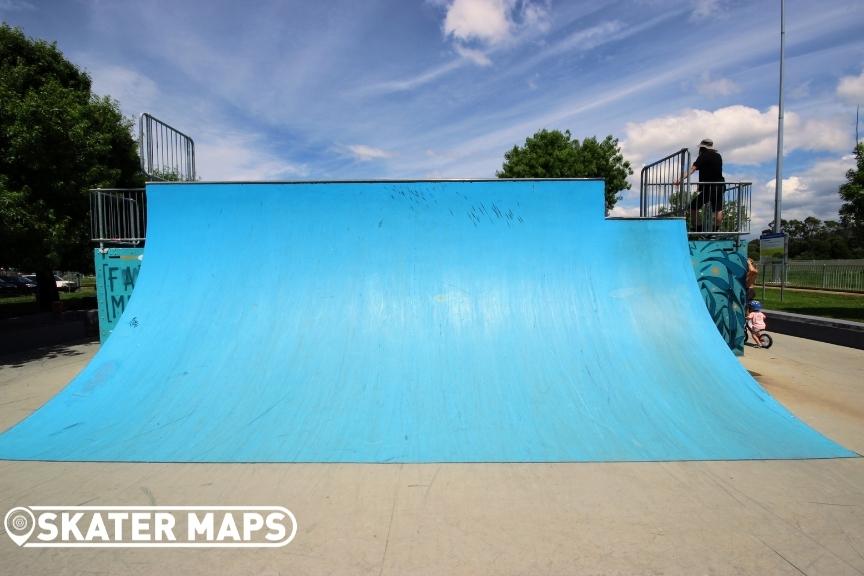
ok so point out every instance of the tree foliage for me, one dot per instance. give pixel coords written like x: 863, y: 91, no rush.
x: 555, y: 154
x: 57, y: 140
x: 813, y: 239
x: 852, y: 193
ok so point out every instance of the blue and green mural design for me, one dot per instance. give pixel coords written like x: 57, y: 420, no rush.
x: 116, y: 272
x: 721, y: 271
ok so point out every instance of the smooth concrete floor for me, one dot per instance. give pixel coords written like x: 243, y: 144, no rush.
x: 757, y: 517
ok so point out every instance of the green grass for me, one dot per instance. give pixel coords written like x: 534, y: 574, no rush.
x: 82, y: 299
x: 82, y: 292
x: 828, y: 304
x: 851, y: 280
x: 844, y: 277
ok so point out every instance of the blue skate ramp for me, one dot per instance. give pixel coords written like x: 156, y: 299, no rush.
x: 476, y: 321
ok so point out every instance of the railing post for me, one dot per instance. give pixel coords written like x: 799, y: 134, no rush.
x: 642, y: 192
x: 682, y: 199
x: 739, y: 219
x: 100, y: 216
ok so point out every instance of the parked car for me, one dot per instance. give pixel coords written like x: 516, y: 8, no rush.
x: 65, y: 285
x: 7, y: 288
x: 23, y: 285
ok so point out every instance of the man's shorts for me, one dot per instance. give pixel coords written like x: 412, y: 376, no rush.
x: 709, y: 194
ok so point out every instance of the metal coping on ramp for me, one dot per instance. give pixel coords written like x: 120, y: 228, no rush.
x: 411, y: 321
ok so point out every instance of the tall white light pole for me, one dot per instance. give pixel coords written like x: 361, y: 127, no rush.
x: 778, y: 179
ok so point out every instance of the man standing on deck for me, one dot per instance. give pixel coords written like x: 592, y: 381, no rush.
x: 709, y: 163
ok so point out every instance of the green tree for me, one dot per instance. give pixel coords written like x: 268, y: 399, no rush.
x: 813, y: 239
x: 852, y: 193
x: 735, y: 216
x: 555, y: 154
x: 57, y: 140
x: 169, y: 175
x: 753, y: 250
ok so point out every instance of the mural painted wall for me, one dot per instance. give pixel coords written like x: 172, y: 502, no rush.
x: 116, y: 272
x: 721, y: 270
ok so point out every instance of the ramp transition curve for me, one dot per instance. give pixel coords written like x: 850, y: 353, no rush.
x: 473, y: 321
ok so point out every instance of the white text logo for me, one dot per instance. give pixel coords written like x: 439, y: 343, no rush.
x: 150, y: 526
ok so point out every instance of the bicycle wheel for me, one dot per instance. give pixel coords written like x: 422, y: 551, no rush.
x: 766, y: 340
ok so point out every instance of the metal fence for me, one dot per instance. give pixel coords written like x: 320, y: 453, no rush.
x: 842, y: 275
x: 166, y: 153
x: 118, y: 216
x: 656, y: 184
x: 666, y: 192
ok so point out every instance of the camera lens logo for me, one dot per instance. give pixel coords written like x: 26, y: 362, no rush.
x: 19, y: 523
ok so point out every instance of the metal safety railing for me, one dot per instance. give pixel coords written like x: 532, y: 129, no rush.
x: 710, y: 208
x: 842, y: 275
x: 118, y: 216
x: 724, y: 208
x: 166, y: 153
x: 657, y: 192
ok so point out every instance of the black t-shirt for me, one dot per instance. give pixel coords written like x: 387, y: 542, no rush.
x: 710, y: 166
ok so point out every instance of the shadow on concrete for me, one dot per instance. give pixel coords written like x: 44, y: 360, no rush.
x: 67, y: 349
x: 38, y: 331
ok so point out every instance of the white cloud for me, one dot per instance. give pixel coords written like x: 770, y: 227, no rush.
x: 535, y: 17
x: 811, y: 192
x: 818, y: 134
x: 241, y: 157
x: 485, y: 20
x: 525, y: 21
x: 488, y: 24
x: 703, y: 9
x: 698, y: 9
x: 851, y: 89
x: 135, y: 92
x: 801, y: 91
x: 714, y: 87
x: 620, y: 211
x: 406, y: 84
x: 476, y: 56
x: 441, y: 154
x: 363, y: 152
x: 465, y: 54
x: 16, y: 6
x: 588, y: 38
x: 744, y: 135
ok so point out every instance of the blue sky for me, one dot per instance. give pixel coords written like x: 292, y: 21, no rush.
x: 279, y: 90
